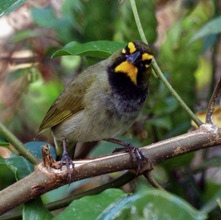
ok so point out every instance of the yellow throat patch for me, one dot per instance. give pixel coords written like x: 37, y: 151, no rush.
x: 129, y: 69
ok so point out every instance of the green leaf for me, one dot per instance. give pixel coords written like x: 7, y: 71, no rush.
x: 101, y: 49
x: 212, y: 27
x: 7, y: 177
x: 90, y: 207
x: 156, y: 204
x: 7, y: 6
x: 18, y: 165
x: 36, y: 210
x: 114, y: 204
x: 152, y: 204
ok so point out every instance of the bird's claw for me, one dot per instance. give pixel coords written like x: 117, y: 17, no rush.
x: 136, y: 155
x: 68, y: 161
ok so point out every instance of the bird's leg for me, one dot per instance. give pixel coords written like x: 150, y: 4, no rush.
x: 136, y: 155
x: 67, y: 159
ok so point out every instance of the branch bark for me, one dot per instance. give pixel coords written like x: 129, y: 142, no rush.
x: 45, y: 179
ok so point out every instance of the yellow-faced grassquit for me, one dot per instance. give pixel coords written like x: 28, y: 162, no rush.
x: 102, y: 102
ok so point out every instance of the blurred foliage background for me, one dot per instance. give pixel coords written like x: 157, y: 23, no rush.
x: 188, y: 51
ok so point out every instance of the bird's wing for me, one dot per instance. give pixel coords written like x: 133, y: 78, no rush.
x: 69, y: 102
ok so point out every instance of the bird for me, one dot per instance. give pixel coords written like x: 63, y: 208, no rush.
x: 102, y: 102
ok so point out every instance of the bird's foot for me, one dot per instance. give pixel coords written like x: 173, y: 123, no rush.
x: 137, y: 157
x: 68, y: 161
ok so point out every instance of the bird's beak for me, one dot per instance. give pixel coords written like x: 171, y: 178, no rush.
x: 133, y: 57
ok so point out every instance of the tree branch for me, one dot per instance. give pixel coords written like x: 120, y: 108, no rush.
x: 115, y: 183
x: 24, y: 151
x: 43, y: 180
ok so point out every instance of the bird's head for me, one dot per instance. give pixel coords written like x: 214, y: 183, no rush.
x: 133, y: 60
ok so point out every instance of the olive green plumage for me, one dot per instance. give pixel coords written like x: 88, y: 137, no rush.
x: 101, y: 103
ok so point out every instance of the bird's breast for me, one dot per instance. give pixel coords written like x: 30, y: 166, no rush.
x: 107, y: 114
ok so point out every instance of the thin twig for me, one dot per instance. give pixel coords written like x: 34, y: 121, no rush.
x: 147, y: 175
x: 158, y: 71
x: 137, y: 20
x: 212, y: 102
x: 25, y: 152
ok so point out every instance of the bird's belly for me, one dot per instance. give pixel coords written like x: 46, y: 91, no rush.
x: 86, y: 126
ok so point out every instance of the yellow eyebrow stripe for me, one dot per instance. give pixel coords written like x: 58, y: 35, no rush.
x: 146, y: 56
x: 131, y: 47
x: 123, y: 51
